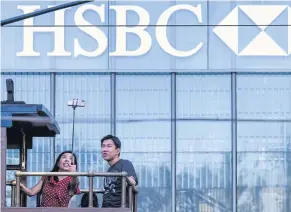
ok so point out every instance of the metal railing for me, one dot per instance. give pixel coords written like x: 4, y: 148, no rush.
x: 12, y: 184
x: 98, y: 191
x: 132, y: 195
x: 125, y: 183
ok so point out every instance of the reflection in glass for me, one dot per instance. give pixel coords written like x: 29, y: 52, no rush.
x: 264, y: 144
x: 203, y: 147
x: 12, y: 157
x: 146, y: 142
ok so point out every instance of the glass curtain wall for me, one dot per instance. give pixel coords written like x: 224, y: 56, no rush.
x: 203, y: 135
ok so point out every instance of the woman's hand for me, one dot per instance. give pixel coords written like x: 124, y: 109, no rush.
x: 22, y: 185
x: 72, y: 168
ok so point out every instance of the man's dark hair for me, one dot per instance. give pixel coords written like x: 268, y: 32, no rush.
x: 85, y: 201
x: 115, y: 140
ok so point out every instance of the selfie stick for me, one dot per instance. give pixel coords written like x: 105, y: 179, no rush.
x: 74, y: 104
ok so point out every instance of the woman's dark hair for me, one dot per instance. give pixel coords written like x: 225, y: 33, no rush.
x: 85, y: 201
x: 74, y: 180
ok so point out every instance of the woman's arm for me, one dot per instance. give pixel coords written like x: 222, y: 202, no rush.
x: 74, y: 184
x: 33, y: 191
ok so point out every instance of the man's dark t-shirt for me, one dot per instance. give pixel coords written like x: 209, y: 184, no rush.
x: 112, y: 185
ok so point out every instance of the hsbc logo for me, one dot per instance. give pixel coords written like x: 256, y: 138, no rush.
x: 266, y: 19
x: 232, y: 30
x: 95, y: 32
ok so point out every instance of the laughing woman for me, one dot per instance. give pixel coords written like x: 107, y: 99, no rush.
x: 57, y: 191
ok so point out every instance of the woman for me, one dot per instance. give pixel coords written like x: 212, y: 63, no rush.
x: 57, y: 190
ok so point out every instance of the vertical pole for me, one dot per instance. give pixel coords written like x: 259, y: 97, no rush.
x: 234, y: 140
x: 13, y: 195
x: 23, y: 166
x: 17, y: 190
x: 173, y: 140
x: 23, y: 152
x: 123, y: 192
x: 135, y: 202
x: 73, y: 133
x: 130, y: 197
x: 113, y: 102
x: 53, y: 111
x: 3, y: 145
x: 90, y: 191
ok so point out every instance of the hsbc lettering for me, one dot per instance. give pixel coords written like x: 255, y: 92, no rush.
x: 121, y: 31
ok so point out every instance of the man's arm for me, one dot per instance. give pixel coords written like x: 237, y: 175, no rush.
x: 128, y: 167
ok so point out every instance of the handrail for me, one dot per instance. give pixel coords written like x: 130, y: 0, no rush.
x: 11, y: 183
x: 134, y: 189
x: 94, y: 191
x: 211, y: 201
x: 91, y: 175
x: 132, y: 196
x: 75, y: 174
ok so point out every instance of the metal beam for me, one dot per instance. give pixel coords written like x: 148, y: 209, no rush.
x: 173, y: 140
x: 234, y: 141
x: 53, y: 111
x: 65, y: 209
x: 3, y: 167
x: 113, y: 102
x: 41, y: 12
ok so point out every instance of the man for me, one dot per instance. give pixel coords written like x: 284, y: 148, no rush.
x: 110, y: 149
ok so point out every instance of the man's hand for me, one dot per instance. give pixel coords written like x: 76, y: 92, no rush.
x: 132, y: 180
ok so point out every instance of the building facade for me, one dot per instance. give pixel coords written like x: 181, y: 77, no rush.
x: 206, y: 132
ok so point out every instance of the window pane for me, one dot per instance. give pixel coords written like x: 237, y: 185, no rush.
x: 203, y: 147
x: 264, y: 145
x: 146, y: 141
x: 12, y: 157
x: 264, y: 96
x: 203, y: 96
